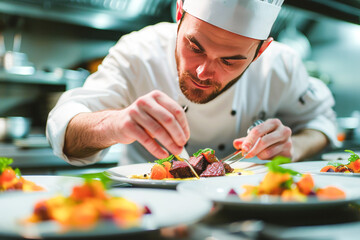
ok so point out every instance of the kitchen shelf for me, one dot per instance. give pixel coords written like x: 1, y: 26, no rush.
x: 38, y: 77
x: 125, y: 15
x: 60, y: 77
x: 346, y: 10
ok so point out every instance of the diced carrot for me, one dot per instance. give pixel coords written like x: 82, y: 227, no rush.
x: 98, y: 189
x: 250, y: 192
x: 167, y: 168
x: 326, y: 168
x: 158, y: 172
x: 305, y: 184
x: 7, y: 175
x: 330, y: 193
x: 293, y: 194
x: 355, y: 166
x: 271, y: 184
x: 81, y: 192
x: 84, y: 215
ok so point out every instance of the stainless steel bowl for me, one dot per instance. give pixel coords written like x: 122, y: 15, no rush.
x: 14, y: 127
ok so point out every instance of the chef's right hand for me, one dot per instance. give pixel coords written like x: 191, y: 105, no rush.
x: 153, y: 116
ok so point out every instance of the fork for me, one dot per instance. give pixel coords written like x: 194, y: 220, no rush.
x: 238, y: 155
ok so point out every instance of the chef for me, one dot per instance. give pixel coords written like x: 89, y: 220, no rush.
x: 198, y: 83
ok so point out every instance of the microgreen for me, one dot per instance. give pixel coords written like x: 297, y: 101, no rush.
x: 201, y: 151
x: 168, y: 159
x: 273, y: 166
x: 4, y: 163
x: 17, y: 172
x: 335, y: 164
x: 101, y: 176
x: 287, y: 184
x: 353, y: 157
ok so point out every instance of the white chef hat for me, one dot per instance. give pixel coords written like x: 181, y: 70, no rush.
x: 249, y: 18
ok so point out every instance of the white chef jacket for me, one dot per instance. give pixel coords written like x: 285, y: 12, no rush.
x: 276, y: 85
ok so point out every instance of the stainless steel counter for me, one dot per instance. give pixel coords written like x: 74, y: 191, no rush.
x: 41, y: 160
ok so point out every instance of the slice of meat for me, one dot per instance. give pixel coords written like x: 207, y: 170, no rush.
x: 215, y: 169
x: 228, y: 168
x: 181, y: 170
x: 199, y: 163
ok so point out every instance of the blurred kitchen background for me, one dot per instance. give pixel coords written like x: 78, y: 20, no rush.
x: 49, y: 46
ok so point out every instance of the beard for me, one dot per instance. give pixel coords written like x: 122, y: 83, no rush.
x: 197, y: 95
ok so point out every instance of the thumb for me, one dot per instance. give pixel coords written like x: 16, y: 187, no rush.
x: 237, y: 143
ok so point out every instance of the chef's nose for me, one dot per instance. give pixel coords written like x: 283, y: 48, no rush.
x: 205, y: 70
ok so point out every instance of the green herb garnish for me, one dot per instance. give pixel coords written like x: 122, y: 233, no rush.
x: 168, y: 159
x: 353, y: 157
x: 4, y: 163
x: 201, y: 151
x: 273, y: 166
x: 335, y: 164
x: 287, y: 184
x: 101, y: 176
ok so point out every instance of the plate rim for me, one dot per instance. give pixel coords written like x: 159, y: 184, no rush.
x: 278, y: 204
x: 202, y: 211
x: 162, y: 183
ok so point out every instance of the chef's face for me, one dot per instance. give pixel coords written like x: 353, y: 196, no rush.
x: 210, y: 59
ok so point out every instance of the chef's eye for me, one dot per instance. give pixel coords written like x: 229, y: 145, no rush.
x: 195, y: 49
x: 226, y: 62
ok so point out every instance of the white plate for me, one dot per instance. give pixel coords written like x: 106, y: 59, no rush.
x: 163, y: 204
x: 334, y: 156
x: 217, y: 190
x: 314, y: 167
x: 122, y: 174
x: 61, y: 184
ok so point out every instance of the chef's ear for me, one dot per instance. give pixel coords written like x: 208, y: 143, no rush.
x: 263, y: 46
x: 179, y: 10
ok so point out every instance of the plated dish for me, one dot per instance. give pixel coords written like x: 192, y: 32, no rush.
x: 124, y: 174
x: 348, y: 167
x: 351, y: 166
x: 164, y: 213
x: 314, y: 167
x: 61, y: 184
x: 218, y: 190
x: 11, y: 179
x: 280, y: 187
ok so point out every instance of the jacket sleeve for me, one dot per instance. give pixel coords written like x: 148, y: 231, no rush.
x: 307, y: 102
x: 108, y: 88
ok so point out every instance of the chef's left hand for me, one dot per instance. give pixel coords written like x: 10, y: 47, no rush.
x: 275, y: 140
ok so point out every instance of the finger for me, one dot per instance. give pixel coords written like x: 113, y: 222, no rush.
x: 237, y: 143
x: 256, y: 149
x: 154, y: 129
x: 164, y: 117
x: 282, y: 148
x: 147, y: 141
x: 168, y: 122
x: 176, y: 110
x: 280, y: 135
x: 265, y: 128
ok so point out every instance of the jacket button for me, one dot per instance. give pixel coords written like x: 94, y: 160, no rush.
x: 233, y: 112
x: 221, y: 147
